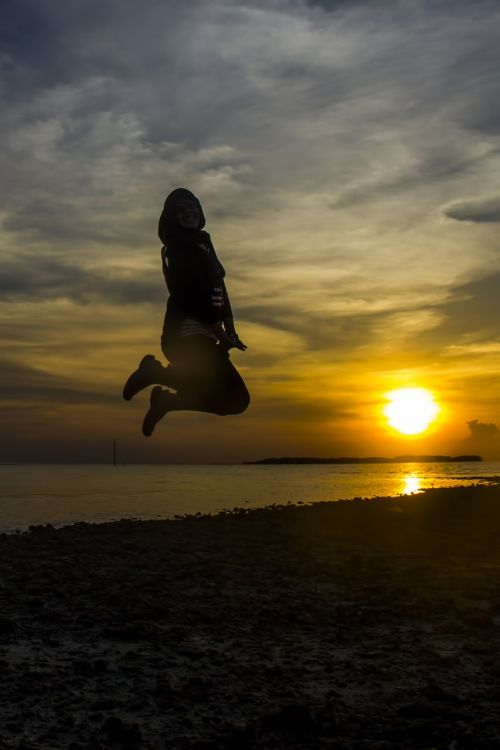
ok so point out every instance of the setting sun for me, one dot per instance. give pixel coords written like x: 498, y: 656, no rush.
x: 410, y: 411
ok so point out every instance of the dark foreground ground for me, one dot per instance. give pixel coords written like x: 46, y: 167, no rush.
x: 360, y: 624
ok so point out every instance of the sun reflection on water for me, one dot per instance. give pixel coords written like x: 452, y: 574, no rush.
x: 411, y: 484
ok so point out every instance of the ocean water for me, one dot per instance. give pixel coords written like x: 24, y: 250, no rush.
x: 65, y: 494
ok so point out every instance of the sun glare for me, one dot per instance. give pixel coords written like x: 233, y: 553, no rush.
x: 410, y: 411
x: 411, y: 484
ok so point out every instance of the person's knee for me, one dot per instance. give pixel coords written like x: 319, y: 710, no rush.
x: 239, y: 403
x: 245, y: 401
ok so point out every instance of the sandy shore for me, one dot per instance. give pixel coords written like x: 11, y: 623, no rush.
x: 359, y: 624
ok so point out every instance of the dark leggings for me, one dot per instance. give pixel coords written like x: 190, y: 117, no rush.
x: 204, y: 377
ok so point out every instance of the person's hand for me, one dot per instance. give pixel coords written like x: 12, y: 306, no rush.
x: 236, y: 342
x: 230, y: 340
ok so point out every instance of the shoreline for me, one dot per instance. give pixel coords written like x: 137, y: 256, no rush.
x: 61, y: 515
x: 369, y: 624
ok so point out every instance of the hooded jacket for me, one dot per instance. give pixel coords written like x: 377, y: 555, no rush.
x: 193, y: 273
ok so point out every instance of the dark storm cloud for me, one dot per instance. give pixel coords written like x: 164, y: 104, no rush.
x: 479, y: 211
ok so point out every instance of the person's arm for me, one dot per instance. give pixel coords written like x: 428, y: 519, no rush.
x: 234, y: 340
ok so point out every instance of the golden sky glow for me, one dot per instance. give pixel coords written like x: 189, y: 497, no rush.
x: 347, y: 160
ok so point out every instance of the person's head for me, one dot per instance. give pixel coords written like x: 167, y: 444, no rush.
x: 182, y: 212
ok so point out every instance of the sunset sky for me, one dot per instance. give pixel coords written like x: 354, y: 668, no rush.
x: 347, y: 156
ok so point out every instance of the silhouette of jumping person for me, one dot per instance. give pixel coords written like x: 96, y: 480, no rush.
x: 198, y: 330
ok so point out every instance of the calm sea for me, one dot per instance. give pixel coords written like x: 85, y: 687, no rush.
x: 65, y: 494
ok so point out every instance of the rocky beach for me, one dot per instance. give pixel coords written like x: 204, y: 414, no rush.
x: 366, y: 624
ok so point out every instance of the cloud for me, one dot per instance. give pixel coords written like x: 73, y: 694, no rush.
x: 484, y: 439
x: 333, y: 5
x: 323, y: 137
x: 479, y: 211
x: 74, y: 178
x: 482, y: 430
x: 23, y: 383
x: 468, y: 321
x: 31, y: 277
x: 321, y: 105
x: 109, y: 106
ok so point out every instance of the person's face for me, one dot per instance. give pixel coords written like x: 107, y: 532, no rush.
x: 188, y: 214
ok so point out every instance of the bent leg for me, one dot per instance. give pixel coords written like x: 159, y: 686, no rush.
x: 207, y: 379
x: 234, y: 398
x: 149, y: 372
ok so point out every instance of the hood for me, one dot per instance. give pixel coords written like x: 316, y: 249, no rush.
x: 168, y: 224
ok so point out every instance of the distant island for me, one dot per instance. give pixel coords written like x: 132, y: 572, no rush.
x: 367, y: 460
